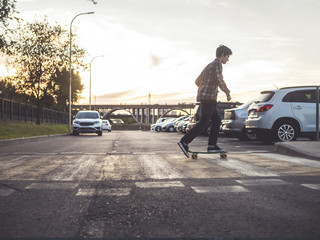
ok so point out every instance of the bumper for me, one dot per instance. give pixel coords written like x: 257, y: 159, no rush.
x: 87, y: 129
x: 232, y: 126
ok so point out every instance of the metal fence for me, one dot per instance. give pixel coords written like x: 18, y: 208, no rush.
x: 11, y: 110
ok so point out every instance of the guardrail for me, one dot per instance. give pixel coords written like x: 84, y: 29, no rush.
x: 16, y: 111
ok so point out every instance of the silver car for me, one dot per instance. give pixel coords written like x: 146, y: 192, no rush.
x: 283, y: 114
x: 234, y: 122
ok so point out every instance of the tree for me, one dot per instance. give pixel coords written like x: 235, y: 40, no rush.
x: 40, y: 50
x: 61, y: 79
x: 7, y: 9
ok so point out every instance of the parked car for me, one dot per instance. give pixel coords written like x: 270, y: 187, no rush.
x: 283, y: 114
x: 116, y: 121
x: 169, y: 126
x: 180, y: 125
x: 106, y: 125
x: 87, y: 122
x: 234, y: 122
x: 158, y: 125
x: 196, y: 118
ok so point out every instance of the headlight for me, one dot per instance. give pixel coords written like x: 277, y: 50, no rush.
x: 76, y: 122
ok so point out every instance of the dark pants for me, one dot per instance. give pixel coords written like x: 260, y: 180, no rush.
x: 210, y: 115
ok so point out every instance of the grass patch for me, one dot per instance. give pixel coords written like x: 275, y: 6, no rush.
x: 9, y: 129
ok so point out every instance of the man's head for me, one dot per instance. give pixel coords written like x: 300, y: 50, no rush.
x: 223, y: 53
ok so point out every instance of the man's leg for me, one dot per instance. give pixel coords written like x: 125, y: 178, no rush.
x: 200, y: 127
x: 215, y: 128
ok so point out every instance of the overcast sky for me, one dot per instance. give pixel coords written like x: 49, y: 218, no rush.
x: 161, y: 46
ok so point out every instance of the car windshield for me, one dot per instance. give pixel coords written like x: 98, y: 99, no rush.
x: 91, y: 115
x: 265, y: 96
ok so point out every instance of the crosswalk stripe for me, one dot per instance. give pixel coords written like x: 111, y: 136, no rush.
x: 312, y: 186
x: 220, y: 189
x: 264, y: 182
x: 52, y: 185
x: 297, y: 160
x: 245, y: 168
x: 156, y: 167
x: 159, y: 184
x: 6, y: 192
x: 118, y: 192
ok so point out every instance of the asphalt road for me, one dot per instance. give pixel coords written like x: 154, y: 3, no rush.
x: 133, y: 184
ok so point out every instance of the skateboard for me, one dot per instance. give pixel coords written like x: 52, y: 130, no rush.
x: 194, y: 154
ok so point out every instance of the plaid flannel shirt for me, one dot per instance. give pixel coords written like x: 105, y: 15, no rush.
x: 208, y: 82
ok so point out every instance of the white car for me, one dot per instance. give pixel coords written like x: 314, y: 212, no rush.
x: 283, y: 114
x: 158, y: 125
x: 87, y: 122
x: 106, y: 125
x: 234, y: 122
x: 169, y: 126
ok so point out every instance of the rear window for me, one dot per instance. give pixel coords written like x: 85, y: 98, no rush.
x: 264, y: 97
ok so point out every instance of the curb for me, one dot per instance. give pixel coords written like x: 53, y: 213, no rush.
x: 7, y: 142
x: 297, y: 151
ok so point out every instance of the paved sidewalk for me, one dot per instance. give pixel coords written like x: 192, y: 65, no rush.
x: 309, y: 149
x: 6, y: 142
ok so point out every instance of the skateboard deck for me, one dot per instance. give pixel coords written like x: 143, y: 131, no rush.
x: 194, y: 154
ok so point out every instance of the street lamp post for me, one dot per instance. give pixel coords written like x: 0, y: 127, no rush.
x: 90, y: 81
x: 70, y: 98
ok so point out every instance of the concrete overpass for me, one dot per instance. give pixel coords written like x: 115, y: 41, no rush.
x: 148, y: 113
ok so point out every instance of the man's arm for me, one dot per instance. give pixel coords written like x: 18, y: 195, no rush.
x: 221, y: 83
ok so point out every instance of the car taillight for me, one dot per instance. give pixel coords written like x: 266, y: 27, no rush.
x: 264, y: 108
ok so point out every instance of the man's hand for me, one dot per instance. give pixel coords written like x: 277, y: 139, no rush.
x: 228, y: 97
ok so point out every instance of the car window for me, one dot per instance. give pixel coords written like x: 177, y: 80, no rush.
x: 91, y: 115
x: 246, y: 105
x: 264, y: 96
x: 306, y: 96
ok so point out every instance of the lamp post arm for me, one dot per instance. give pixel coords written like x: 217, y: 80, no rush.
x: 70, y: 70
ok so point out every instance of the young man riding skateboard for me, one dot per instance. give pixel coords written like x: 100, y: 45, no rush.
x: 208, y: 82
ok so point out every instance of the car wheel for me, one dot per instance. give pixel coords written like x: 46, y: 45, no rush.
x: 285, y: 131
x: 171, y: 129
x: 158, y: 129
x: 246, y: 136
x: 100, y: 133
x: 74, y: 133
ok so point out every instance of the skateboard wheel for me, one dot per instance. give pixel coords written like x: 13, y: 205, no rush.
x: 194, y: 156
x: 223, y: 155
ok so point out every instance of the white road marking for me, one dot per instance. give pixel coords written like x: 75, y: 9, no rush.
x: 86, y: 192
x: 159, y: 184
x: 74, y: 169
x: 256, y: 182
x: 245, y: 168
x: 297, y: 160
x: 52, y: 185
x: 6, y: 192
x: 117, y: 192
x: 312, y: 186
x: 12, y: 162
x: 156, y: 167
x: 220, y: 189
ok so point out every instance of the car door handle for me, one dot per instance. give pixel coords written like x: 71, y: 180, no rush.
x: 297, y: 107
